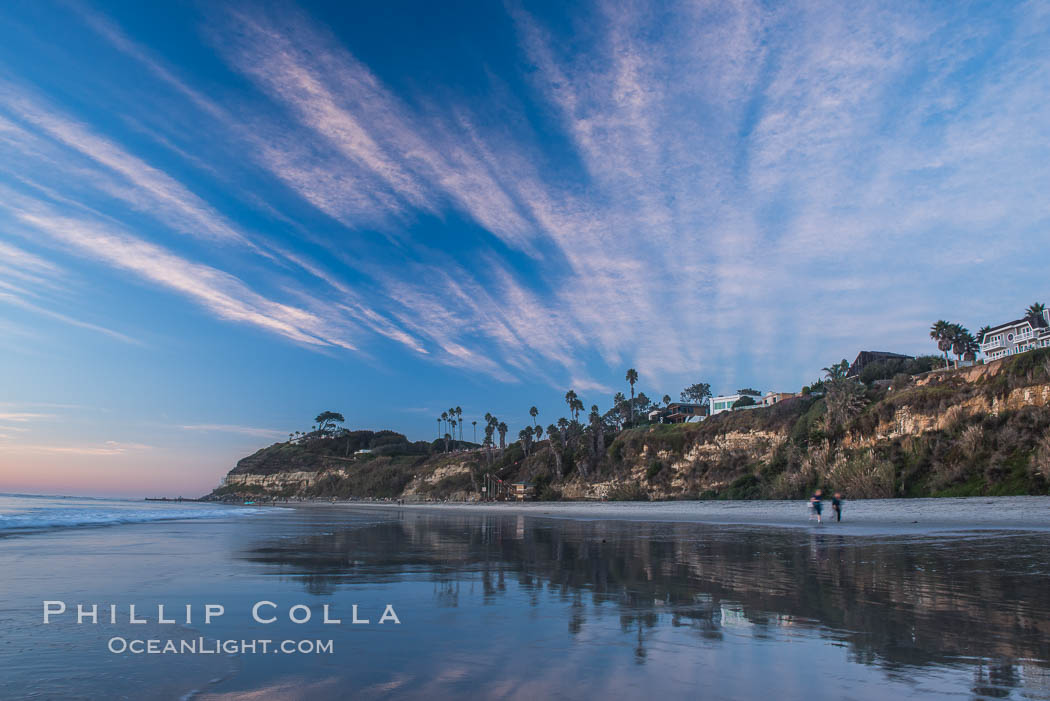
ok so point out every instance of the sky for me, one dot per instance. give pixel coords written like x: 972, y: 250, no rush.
x: 219, y: 219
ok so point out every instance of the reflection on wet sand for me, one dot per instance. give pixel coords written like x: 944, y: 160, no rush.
x: 897, y: 603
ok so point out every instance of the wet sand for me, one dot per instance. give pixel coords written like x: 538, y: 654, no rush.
x: 861, y: 517
x: 620, y: 600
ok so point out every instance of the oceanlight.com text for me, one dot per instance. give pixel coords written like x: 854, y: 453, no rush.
x: 201, y: 646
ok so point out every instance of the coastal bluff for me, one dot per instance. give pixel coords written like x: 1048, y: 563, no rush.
x: 983, y: 430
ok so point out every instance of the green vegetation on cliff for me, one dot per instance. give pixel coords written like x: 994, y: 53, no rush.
x: 983, y: 430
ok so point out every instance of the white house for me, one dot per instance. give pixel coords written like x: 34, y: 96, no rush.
x: 724, y: 403
x: 1017, y: 336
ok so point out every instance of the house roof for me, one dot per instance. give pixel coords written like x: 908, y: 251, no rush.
x: 865, y: 357
x: 1036, y: 322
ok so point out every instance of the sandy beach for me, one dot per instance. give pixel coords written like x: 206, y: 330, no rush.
x: 538, y: 601
x: 862, y: 517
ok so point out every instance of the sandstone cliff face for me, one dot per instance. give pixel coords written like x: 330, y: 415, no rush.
x: 756, y: 445
x: 281, y: 481
x: 426, y: 482
x: 908, y: 421
x: 721, y: 454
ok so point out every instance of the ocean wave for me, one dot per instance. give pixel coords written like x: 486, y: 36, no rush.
x: 49, y: 518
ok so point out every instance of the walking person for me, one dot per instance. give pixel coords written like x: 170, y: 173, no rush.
x: 816, y: 503
x: 836, y: 504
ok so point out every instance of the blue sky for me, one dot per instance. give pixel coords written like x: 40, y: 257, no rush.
x: 217, y: 220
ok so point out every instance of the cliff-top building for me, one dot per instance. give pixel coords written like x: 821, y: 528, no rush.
x: 678, y: 413
x: 1017, y: 336
x: 725, y: 402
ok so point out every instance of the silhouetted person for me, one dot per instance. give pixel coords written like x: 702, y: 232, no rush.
x: 817, y: 504
x: 836, y: 504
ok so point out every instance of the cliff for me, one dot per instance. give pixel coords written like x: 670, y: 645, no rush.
x: 977, y: 431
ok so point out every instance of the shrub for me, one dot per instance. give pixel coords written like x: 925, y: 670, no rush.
x: 628, y: 491
x: 1041, y: 458
x: 863, y: 475
x: 655, y: 467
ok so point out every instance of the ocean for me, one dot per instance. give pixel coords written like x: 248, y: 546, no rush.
x: 21, y: 513
x: 931, y: 598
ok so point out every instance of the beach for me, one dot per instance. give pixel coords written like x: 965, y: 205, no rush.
x: 682, y: 599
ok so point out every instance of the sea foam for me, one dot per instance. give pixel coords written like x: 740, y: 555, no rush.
x: 29, y: 513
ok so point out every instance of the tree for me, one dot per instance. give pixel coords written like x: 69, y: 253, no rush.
x: 490, y: 428
x: 327, y: 420
x: 475, y: 424
x: 1035, y: 309
x: 836, y: 371
x: 746, y: 400
x: 597, y: 432
x: 962, y: 342
x: 696, y: 393
x: 971, y: 348
x: 632, y: 377
x: 538, y: 430
x: 982, y: 332
x: 525, y: 437
x: 534, y: 412
x: 439, y: 426
x: 570, y: 399
x: 748, y: 392
x: 844, y: 396
x: 666, y: 400
x: 620, y: 407
x: 642, y: 404
x: 502, y: 428
x: 576, y: 407
x: 459, y: 420
x: 554, y: 436
x: 444, y: 420
x: 941, y: 332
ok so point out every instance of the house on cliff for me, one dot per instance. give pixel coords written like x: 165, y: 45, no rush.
x: 1017, y: 336
x: 678, y: 413
x: 865, y: 358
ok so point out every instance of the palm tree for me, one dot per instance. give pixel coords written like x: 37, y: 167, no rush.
x: 632, y: 377
x: 667, y: 400
x: 576, y: 407
x: 538, y: 430
x: 555, y: 436
x: 439, y: 426
x: 962, y: 341
x: 570, y: 397
x: 1035, y: 309
x: 981, y: 333
x: 475, y: 423
x: 941, y: 332
x: 459, y: 418
x: 525, y: 437
x: 453, y: 422
x: 444, y: 420
x: 502, y: 428
x: 971, y: 349
x: 597, y: 432
x: 534, y: 412
x: 837, y: 371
